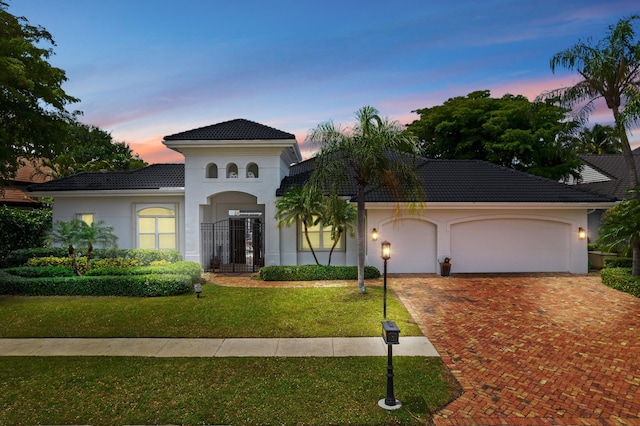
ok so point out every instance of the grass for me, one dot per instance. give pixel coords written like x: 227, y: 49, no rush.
x: 240, y: 391
x: 221, y: 312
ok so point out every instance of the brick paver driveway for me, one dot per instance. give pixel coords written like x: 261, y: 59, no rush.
x: 532, y: 349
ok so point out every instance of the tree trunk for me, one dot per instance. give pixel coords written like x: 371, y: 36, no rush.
x: 635, y: 266
x: 361, y: 239
x: 306, y: 235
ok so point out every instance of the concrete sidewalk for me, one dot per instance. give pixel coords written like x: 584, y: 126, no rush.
x: 167, y: 347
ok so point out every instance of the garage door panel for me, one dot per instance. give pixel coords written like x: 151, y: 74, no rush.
x: 510, y: 245
x: 413, y: 246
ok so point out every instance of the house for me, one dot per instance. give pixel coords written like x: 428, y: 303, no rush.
x: 604, y: 174
x: 14, y: 191
x: 218, y: 208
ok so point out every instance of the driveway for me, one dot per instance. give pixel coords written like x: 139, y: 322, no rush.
x: 557, y: 349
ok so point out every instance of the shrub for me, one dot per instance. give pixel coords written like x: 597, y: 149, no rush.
x: 21, y: 256
x: 315, y: 272
x: 134, y: 285
x: 22, y: 228
x: 115, y: 262
x: 190, y: 269
x: 146, y: 256
x: 40, y: 271
x: 621, y: 279
x: 618, y: 262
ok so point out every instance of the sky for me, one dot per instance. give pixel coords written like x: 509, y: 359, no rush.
x: 144, y: 69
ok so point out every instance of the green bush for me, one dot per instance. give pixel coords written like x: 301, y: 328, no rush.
x: 133, y: 285
x: 315, y: 272
x: 618, y: 262
x: 22, y: 228
x: 621, y: 279
x: 191, y: 269
x: 115, y: 262
x: 21, y: 257
x: 146, y: 256
x: 40, y: 271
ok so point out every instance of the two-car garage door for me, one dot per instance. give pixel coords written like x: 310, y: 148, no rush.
x: 487, y: 245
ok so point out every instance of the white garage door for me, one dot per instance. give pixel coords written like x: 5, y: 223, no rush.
x: 413, y: 246
x: 510, y: 245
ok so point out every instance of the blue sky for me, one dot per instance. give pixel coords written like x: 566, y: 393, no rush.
x: 144, y: 69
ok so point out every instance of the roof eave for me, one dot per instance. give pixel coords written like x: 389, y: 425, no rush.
x: 111, y: 192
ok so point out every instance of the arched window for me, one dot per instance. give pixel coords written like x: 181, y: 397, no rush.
x: 252, y: 170
x: 156, y: 228
x: 212, y: 171
x: 232, y: 171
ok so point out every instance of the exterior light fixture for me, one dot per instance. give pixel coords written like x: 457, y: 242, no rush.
x: 386, y: 250
x: 197, y: 287
x: 374, y: 234
x: 582, y: 234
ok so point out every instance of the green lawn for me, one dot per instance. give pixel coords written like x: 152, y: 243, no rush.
x: 239, y: 391
x: 220, y: 312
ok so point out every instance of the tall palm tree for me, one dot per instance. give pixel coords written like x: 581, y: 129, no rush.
x: 364, y: 153
x: 599, y: 140
x: 302, y: 205
x: 610, y: 69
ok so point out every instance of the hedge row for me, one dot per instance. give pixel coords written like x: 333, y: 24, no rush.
x: 191, y: 269
x: 144, y: 257
x: 618, y: 262
x: 315, y: 272
x: 132, y: 285
x: 621, y: 279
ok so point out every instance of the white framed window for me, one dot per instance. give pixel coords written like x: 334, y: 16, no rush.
x: 320, y: 237
x: 156, y: 227
x: 87, y: 218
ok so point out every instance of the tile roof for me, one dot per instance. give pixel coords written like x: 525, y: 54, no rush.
x: 614, y: 166
x: 155, y: 176
x: 466, y: 181
x: 239, y: 129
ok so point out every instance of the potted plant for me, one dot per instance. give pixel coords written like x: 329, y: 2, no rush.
x: 445, y: 267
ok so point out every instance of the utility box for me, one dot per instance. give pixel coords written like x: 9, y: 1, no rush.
x: 390, y: 333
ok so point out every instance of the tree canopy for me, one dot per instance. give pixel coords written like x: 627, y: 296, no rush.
x: 90, y: 149
x: 33, y: 114
x: 510, y: 131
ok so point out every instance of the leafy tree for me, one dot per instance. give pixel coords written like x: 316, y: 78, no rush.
x: 598, y: 140
x: 23, y: 228
x: 364, y: 153
x: 79, y: 233
x: 340, y: 215
x: 621, y: 228
x: 610, y: 69
x: 33, y: 115
x: 510, y: 131
x: 302, y: 205
x: 92, y: 149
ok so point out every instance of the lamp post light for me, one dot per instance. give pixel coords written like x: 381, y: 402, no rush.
x: 386, y: 255
x: 374, y: 234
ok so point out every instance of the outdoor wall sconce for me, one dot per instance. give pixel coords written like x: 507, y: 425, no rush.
x: 374, y: 234
x: 582, y: 234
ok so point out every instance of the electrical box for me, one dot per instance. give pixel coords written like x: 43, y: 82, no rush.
x: 390, y: 333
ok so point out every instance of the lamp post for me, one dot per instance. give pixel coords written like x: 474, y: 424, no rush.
x: 386, y: 255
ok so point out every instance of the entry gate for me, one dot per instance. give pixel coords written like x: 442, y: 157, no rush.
x: 234, y: 245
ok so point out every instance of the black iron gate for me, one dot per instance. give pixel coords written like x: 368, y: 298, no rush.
x: 232, y: 245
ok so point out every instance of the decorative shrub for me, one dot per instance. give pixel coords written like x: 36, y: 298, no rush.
x: 115, y: 262
x: 20, y: 257
x: 621, y: 279
x: 22, y: 228
x: 40, y: 271
x: 315, y: 272
x: 146, y: 256
x: 618, y: 262
x: 133, y: 285
x: 191, y: 269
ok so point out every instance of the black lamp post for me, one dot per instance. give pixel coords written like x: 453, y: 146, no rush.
x: 386, y: 255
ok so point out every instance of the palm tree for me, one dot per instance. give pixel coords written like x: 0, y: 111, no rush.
x: 339, y: 215
x: 609, y: 70
x: 79, y: 233
x: 621, y: 228
x: 364, y: 154
x: 599, y: 140
x: 302, y: 205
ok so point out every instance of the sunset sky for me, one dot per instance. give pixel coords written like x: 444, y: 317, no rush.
x: 144, y: 69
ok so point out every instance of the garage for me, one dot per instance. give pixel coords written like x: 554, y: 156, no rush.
x: 510, y: 245
x: 413, y: 245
